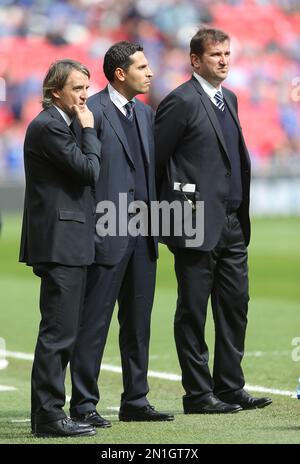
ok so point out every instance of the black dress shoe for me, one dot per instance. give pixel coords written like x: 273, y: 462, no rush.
x: 146, y: 413
x: 247, y: 401
x: 65, y: 427
x: 92, y: 418
x: 212, y: 405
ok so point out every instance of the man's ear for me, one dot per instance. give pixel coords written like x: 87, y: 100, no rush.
x: 120, y: 74
x: 56, y: 93
x: 195, y: 60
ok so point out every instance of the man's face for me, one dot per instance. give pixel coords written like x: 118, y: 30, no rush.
x: 213, y: 65
x: 74, y: 92
x: 138, y: 76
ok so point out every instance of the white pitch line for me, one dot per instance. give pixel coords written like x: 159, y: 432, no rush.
x: 259, y: 354
x: 20, y: 420
x: 160, y: 375
x: 273, y: 391
x: 17, y: 355
x: 251, y: 354
x: 7, y: 388
x: 24, y: 421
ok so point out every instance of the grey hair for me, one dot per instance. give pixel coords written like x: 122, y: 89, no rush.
x: 57, y: 76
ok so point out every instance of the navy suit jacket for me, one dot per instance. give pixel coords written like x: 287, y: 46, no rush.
x: 118, y: 171
x: 190, y: 148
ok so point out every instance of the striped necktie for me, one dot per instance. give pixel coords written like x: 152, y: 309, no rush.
x: 219, y: 100
x: 129, y: 110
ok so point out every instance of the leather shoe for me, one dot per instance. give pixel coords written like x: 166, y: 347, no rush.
x: 92, y: 418
x: 146, y: 413
x: 247, y: 401
x: 212, y: 405
x: 65, y: 427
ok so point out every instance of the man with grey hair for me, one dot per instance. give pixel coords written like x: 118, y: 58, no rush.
x: 206, y: 160
x: 57, y: 235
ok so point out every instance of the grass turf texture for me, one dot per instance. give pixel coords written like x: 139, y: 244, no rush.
x: 274, y: 321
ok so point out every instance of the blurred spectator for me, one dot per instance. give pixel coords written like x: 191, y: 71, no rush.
x: 266, y: 58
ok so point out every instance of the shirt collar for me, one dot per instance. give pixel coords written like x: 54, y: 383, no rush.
x: 117, y: 98
x: 209, y: 89
x: 64, y: 115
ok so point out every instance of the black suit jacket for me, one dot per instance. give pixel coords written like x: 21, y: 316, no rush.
x: 58, y: 210
x: 117, y: 169
x: 190, y: 148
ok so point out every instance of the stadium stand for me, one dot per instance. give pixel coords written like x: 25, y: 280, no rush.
x: 265, y: 62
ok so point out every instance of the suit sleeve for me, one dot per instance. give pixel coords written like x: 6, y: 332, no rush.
x: 170, y: 123
x: 235, y: 101
x: 233, y: 98
x: 152, y: 117
x: 61, y: 149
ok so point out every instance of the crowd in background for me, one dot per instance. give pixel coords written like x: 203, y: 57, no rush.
x: 265, y: 67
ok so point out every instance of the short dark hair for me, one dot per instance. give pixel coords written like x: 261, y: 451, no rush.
x: 57, y: 76
x: 205, y: 35
x: 118, y: 56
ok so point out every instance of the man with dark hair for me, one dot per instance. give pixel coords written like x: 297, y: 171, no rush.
x: 125, y: 265
x: 119, y: 56
x: 201, y: 156
x: 57, y: 235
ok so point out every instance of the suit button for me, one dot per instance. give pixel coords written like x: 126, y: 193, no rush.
x: 131, y: 190
x: 228, y: 174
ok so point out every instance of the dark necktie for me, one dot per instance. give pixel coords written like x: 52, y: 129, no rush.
x: 129, y: 110
x: 72, y: 128
x: 219, y: 100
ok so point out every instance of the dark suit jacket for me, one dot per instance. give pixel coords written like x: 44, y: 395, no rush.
x: 58, y: 210
x: 190, y: 148
x: 117, y: 168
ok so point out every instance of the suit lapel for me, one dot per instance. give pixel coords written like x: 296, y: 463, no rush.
x: 214, y: 120
x: 56, y: 114
x: 142, y: 125
x: 231, y: 109
x: 74, y: 128
x: 211, y: 113
x: 110, y: 112
x: 236, y: 120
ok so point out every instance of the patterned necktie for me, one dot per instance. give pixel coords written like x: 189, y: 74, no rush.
x: 129, y: 110
x: 219, y: 100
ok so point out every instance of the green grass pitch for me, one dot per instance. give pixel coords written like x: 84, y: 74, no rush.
x: 274, y: 322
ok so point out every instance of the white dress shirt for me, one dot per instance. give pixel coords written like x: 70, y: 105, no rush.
x: 64, y: 115
x: 118, y: 99
x: 209, y: 89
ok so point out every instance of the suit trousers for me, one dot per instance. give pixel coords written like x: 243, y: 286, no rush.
x: 221, y: 274
x: 61, y: 300
x: 132, y: 283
